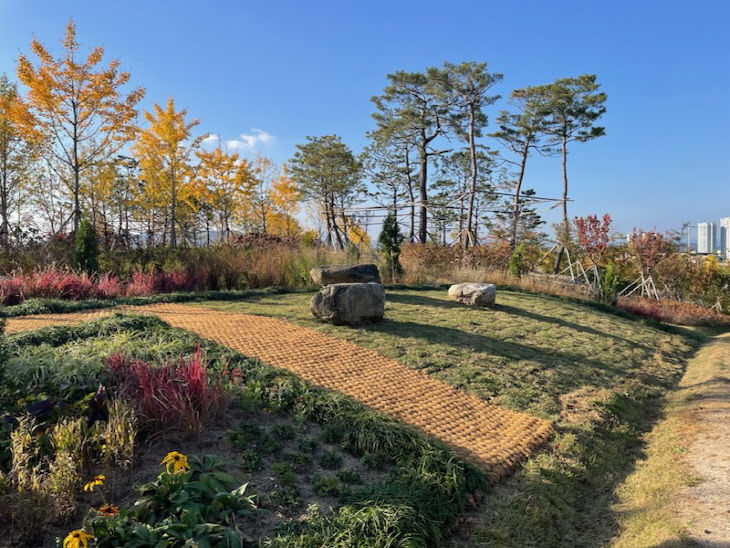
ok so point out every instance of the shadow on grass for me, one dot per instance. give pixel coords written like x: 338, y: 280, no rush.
x: 566, y: 496
x: 457, y: 338
x: 563, y: 323
x: 419, y: 300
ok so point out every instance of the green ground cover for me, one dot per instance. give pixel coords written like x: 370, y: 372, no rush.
x: 320, y: 469
x: 601, y: 377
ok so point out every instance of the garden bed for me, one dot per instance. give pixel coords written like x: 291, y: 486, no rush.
x: 373, y: 480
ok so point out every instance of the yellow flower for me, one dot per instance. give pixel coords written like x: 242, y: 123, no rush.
x: 98, y: 480
x: 176, y: 461
x: 108, y: 510
x: 77, y: 539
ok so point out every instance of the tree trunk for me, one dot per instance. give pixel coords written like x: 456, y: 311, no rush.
x: 5, y: 227
x: 411, y: 198
x: 423, y: 196
x: 564, y: 151
x: 470, y: 232
x: 173, y: 236
x: 516, y: 201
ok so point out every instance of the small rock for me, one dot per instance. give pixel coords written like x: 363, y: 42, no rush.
x: 474, y: 294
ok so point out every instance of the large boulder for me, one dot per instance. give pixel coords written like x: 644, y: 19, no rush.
x: 474, y: 294
x: 349, y: 304
x: 345, y: 274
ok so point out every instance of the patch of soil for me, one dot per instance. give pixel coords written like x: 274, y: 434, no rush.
x: 580, y: 406
x: 120, y: 486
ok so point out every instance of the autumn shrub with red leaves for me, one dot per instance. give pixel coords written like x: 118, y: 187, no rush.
x: 673, y: 312
x: 180, y: 280
x: 109, y: 287
x: 11, y: 290
x: 177, y: 395
x: 141, y: 284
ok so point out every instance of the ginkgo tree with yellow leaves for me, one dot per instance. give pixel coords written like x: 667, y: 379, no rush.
x: 225, y: 184
x: 77, y: 110
x: 16, y: 155
x: 98, y: 193
x: 164, y: 151
x: 285, y: 197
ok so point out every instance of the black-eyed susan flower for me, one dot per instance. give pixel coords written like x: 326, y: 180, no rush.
x: 98, y: 481
x: 108, y: 510
x: 176, y: 463
x: 77, y: 539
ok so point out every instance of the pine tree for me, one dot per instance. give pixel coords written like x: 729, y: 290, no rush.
x: 86, y: 256
x: 389, y: 243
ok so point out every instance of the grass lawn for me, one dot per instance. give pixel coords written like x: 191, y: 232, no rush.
x: 527, y: 353
x: 601, y: 377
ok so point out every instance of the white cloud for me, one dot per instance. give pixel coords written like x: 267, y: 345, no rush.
x: 211, y: 139
x: 252, y: 141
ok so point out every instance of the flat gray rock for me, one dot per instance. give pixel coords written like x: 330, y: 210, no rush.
x: 474, y: 294
x: 349, y: 304
x: 343, y: 274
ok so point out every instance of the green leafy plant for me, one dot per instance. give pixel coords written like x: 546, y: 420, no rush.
x: 284, y: 432
x: 283, y: 472
x: 300, y: 460
x: 250, y: 460
x: 308, y: 445
x: 289, y: 496
x: 348, y: 475
x: 199, y: 506
x: 86, y: 254
x: 245, y: 435
x: 514, y: 268
x: 330, y: 460
x: 328, y: 486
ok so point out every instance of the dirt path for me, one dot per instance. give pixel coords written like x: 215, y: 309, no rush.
x: 492, y: 436
x: 679, y: 495
x: 706, y: 505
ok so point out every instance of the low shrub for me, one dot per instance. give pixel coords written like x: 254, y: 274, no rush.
x: 11, y: 291
x: 348, y: 475
x: 288, y: 497
x: 283, y: 472
x: 330, y: 460
x: 328, y: 486
x: 109, y: 287
x: 673, y: 312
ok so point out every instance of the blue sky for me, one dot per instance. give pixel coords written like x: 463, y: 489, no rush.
x: 277, y: 71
